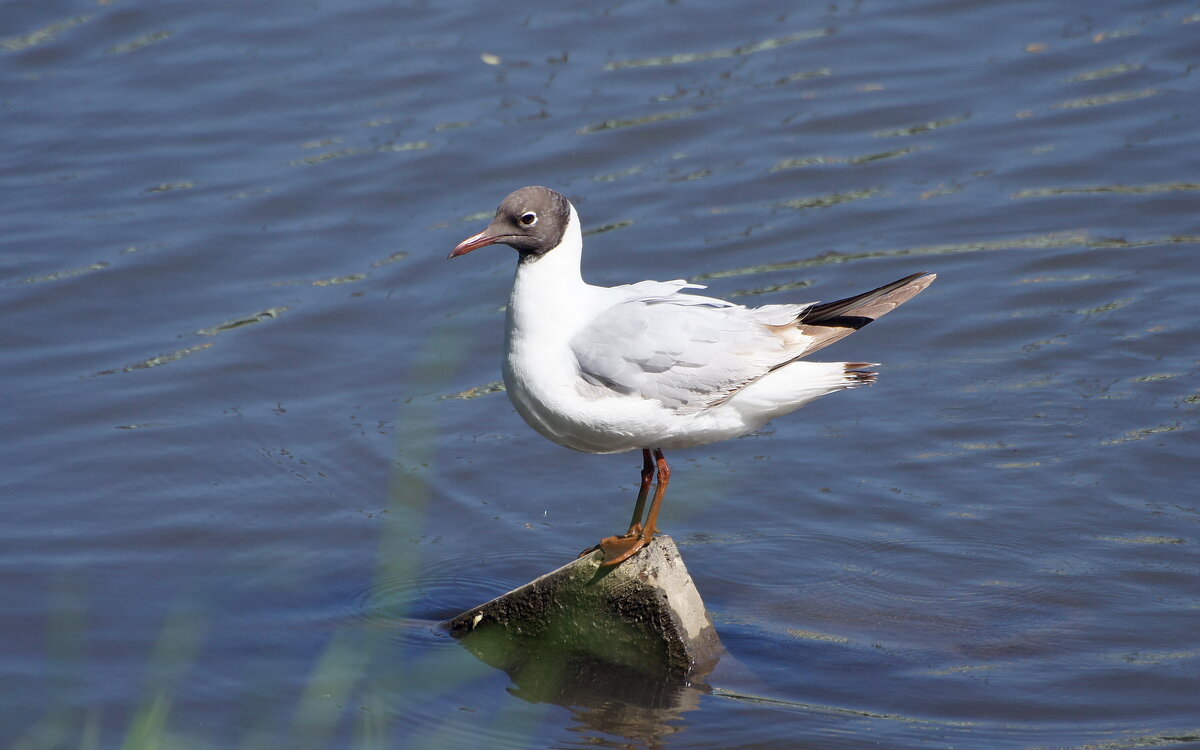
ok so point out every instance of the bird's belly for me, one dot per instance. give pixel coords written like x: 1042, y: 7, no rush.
x: 565, y: 411
x: 578, y: 425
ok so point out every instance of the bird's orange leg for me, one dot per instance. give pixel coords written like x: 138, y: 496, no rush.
x: 619, y: 549
x: 635, y: 523
x: 664, y: 476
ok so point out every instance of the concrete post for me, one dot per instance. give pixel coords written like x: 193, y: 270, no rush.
x: 640, y: 625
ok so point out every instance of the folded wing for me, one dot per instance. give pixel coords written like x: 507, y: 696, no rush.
x: 686, y: 351
x: 690, y: 352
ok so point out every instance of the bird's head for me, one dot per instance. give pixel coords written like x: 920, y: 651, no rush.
x: 531, y: 220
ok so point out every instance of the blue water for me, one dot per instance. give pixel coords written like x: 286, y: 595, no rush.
x: 253, y: 453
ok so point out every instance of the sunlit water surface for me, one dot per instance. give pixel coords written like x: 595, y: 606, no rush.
x: 254, y: 450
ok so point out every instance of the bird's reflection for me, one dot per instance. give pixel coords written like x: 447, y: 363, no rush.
x: 615, y: 705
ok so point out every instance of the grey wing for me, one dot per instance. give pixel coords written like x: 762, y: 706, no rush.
x: 687, y: 352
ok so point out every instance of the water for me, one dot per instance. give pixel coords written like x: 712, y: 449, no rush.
x: 241, y: 482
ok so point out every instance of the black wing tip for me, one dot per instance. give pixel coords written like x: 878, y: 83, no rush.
x: 842, y: 313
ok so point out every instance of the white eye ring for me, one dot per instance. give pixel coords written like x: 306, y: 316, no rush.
x: 529, y: 218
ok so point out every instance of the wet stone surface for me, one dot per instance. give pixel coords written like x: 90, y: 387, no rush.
x: 643, y: 616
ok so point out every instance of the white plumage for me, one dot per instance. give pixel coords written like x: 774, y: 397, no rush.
x: 650, y: 365
x: 611, y: 369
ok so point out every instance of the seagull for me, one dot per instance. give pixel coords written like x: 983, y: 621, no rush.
x: 649, y: 366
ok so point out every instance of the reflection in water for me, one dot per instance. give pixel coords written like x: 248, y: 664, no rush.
x: 612, y: 699
x: 648, y: 726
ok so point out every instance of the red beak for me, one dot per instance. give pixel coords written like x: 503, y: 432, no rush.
x: 473, y: 242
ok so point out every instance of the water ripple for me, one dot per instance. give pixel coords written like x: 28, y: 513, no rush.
x: 745, y: 49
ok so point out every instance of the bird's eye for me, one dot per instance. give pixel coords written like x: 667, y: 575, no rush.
x: 529, y: 218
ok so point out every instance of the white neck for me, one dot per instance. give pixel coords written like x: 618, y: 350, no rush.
x: 549, y: 295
